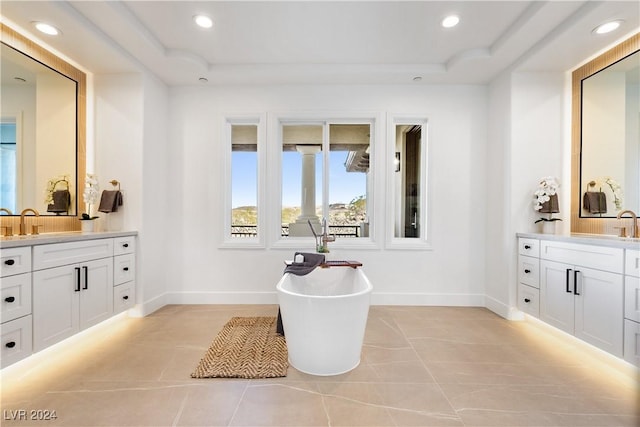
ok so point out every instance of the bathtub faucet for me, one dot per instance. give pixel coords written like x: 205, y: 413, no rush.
x: 324, y: 238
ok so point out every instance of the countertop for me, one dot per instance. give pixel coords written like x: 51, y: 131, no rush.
x: 588, y: 239
x: 61, y: 237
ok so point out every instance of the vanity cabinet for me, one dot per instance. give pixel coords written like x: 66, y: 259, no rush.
x: 632, y: 307
x: 73, y: 292
x: 529, y: 276
x: 575, y: 287
x: 51, y: 291
x: 124, y: 273
x: 15, y: 308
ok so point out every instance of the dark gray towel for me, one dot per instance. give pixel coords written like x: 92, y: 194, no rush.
x: 311, y: 261
x: 595, y: 202
x: 61, y: 202
x: 110, y: 200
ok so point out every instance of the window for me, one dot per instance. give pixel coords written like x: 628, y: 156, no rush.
x: 408, y: 183
x: 8, y: 164
x: 243, y: 164
x: 326, y: 174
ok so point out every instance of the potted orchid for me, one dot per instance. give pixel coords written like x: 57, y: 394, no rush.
x: 90, y: 196
x: 546, y: 201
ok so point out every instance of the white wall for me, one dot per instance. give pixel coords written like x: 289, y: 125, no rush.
x: 452, y: 273
x: 131, y: 112
x: 538, y: 145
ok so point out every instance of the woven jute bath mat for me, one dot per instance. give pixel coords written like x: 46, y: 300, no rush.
x: 246, y: 347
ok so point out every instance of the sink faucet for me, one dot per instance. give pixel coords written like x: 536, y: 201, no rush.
x: 8, y: 229
x: 634, y: 226
x: 23, y: 228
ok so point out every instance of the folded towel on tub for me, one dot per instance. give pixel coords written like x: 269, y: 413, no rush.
x: 311, y: 261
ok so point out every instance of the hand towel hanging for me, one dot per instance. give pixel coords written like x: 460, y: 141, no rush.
x: 61, y: 202
x: 595, y: 202
x: 110, y: 200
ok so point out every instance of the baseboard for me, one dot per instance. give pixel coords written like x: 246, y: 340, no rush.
x: 456, y: 300
x: 222, y: 298
x: 503, y: 310
x: 148, y: 307
x: 376, y: 298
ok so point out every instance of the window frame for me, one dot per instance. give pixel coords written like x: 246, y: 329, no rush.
x: 227, y: 240
x: 274, y: 156
x: 422, y: 242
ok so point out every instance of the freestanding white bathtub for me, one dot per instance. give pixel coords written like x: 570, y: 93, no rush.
x: 324, y: 315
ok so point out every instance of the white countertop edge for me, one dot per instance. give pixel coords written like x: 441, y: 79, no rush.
x: 61, y: 237
x: 587, y: 239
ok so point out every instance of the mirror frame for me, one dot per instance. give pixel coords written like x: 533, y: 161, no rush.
x: 615, y: 54
x: 53, y: 223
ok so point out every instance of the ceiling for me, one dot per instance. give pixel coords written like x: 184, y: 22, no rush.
x: 321, y: 42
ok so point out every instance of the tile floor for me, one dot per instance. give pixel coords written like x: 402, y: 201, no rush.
x: 421, y: 366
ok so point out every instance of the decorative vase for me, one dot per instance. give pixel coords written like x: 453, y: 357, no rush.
x: 87, y: 225
x: 548, y: 227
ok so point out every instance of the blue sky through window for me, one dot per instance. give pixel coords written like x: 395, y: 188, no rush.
x: 345, y: 186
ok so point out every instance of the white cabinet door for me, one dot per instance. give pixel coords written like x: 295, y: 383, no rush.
x: 556, y: 295
x: 599, y: 302
x: 96, y: 293
x: 56, y: 305
x: 69, y: 299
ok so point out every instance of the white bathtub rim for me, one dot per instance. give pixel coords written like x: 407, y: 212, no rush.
x: 368, y: 289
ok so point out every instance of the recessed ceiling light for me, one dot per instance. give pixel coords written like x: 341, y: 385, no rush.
x: 49, y: 29
x: 20, y: 79
x: 607, y: 27
x: 450, y: 21
x: 203, y: 80
x: 203, y: 21
x: 417, y: 79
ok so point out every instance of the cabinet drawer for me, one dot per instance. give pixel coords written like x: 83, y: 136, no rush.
x: 124, y: 268
x: 632, y: 298
x: 57, y: 254
x: 529, y: 247
x: 16, y: 340
x: 632, y: 342
x: 124, y: 297
x: 632, y: 263
x: 15, y: 261
x: 124, y: 245
x: 15, y: 292
x: 529, y: 271
x: 596, y: 257
x: 529, y: 300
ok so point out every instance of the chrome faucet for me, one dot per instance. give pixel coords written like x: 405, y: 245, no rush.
x: 634, y: 225
x: 324, y: 238
x: 23, y: 228
x: 325, y: 234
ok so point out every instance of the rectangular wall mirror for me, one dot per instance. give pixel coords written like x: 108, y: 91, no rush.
x: 42, y: 123
x: 606, y: 139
